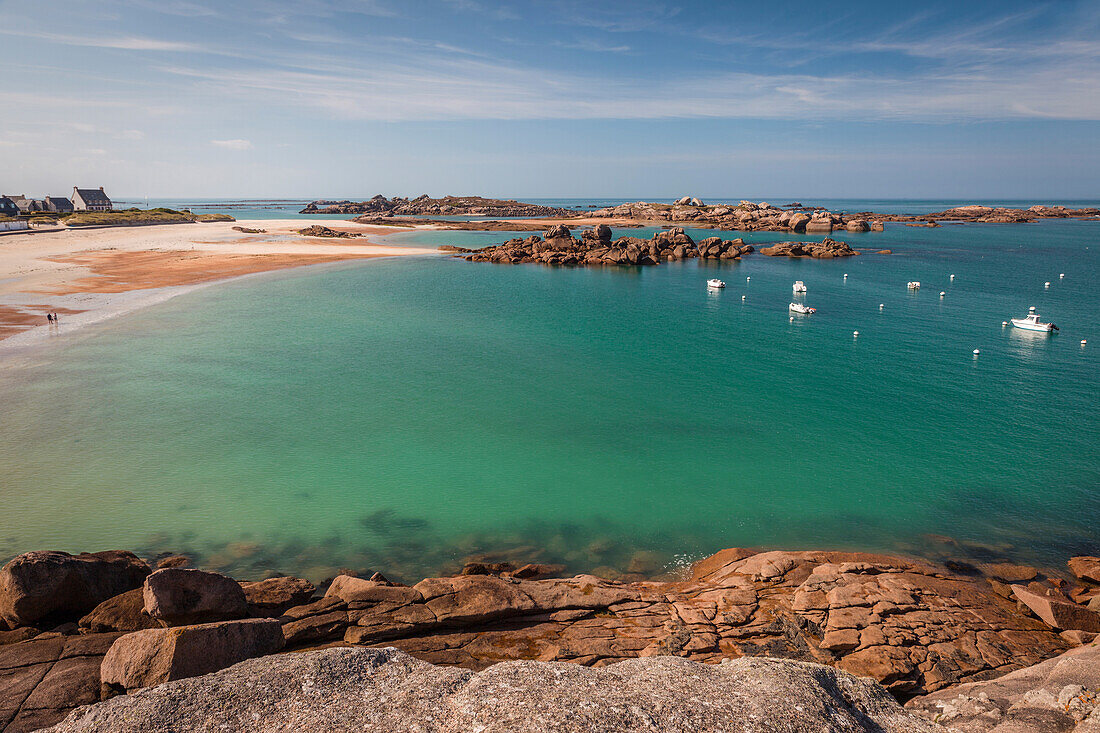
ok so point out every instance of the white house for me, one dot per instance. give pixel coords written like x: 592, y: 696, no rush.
x: 90, y: 199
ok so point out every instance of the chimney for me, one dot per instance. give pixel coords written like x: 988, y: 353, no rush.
x: 101, y: 188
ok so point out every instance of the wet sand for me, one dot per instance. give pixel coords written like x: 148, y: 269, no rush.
x: 90, y: 274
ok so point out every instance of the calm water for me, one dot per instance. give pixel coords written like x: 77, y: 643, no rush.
x: 288, y: 209
x: 401, y: 415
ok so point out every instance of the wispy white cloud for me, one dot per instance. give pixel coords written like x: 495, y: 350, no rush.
x: 467, y: 89
x: 236, y: 144
x: 129, y: 43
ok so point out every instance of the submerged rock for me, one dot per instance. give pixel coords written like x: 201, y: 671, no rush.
x: 387, y: 690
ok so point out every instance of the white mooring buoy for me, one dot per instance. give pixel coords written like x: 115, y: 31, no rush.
x: 747, y: 279
x: 952, y: 278
x: 1083, y: 342
x: 855, y: 334
x: 742, y: 297
x: 845, y: 276
x: 1061, y: 275
x: 881, y: 306
x: 1046, y: 285
x: 1004, y: 323
x: 792, y: 319
x: 976, y: 352
x: 942, y: 293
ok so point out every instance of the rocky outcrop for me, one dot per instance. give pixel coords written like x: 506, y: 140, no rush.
x: 825, y: 249
x: 425, y: 206
x: 557, y: 246
x: 179, y: 596
x: 744, y: 216
x: 272, y: 597
x: 1060, y: 694
x: 124, y: 612
x: 915, y: 627
x: 1086, y: 568
x: 317, y: 230
x: 55, y: 586
x: 1057, y: 611
x: 154, y: 656
x: 386, y: 690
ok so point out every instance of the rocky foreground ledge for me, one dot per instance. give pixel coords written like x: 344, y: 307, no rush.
x: 92, y: 627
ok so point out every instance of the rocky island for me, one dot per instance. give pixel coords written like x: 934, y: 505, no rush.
x: 688, y: 211
x: 424, y: 205
x: 756, y: 632
x: 557, y: 246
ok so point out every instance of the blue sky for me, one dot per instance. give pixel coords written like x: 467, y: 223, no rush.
x: 347, y: 98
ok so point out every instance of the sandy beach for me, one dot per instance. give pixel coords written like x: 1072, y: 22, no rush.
x: 87, y: 275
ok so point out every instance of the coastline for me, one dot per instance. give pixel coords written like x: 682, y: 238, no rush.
x: 921, y: 630
x: 88, y: 276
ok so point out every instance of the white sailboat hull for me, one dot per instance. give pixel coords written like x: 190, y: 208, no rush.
x: 1029, y: 326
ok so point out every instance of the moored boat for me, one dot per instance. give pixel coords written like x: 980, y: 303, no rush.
x: 1031, y: 322
x: 799, y: 286
x: 913, y: 285
x: 800, y: 308
x: 715, y: 283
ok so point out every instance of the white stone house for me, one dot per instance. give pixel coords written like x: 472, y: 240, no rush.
x: 90, y: 199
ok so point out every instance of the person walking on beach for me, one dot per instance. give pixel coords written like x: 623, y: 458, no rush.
x: 49, y: 317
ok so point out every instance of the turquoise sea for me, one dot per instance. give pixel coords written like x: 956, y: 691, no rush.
x: 402, y: 415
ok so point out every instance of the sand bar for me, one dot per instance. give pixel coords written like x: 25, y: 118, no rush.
x: 87, y: 275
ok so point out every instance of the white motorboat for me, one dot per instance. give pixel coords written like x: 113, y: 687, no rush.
x: 799, y: 286
x: 1031, y: 322
x: 715, y: 283
x: 913, y: 285
x: 800, y: 308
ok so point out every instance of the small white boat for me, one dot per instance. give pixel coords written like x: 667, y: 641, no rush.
x: 715, y: 283
x: 913, y: 285
x: 799, y: 286
x: 800, y: 308
x: 1031, y: 322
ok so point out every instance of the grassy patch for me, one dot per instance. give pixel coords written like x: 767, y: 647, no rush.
x: 129, y: 217
x: 214, y: 217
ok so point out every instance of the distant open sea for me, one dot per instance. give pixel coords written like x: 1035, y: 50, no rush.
x: 402, y: 415
x: 288, y: 209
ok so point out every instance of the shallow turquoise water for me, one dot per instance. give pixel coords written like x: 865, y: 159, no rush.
x: 401, y: 415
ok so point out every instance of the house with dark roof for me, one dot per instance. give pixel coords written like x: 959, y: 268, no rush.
x: 24, y: 204
x: 57, y: 204
x: 8, y: 207
x: 90, y: 199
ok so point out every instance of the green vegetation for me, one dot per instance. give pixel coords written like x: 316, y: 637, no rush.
x: 214, y: 217
x: 136, y: 217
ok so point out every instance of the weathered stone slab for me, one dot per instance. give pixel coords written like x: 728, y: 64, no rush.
x: 385, y: 690
x: 1059, y: 614
x: 154, y: 656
